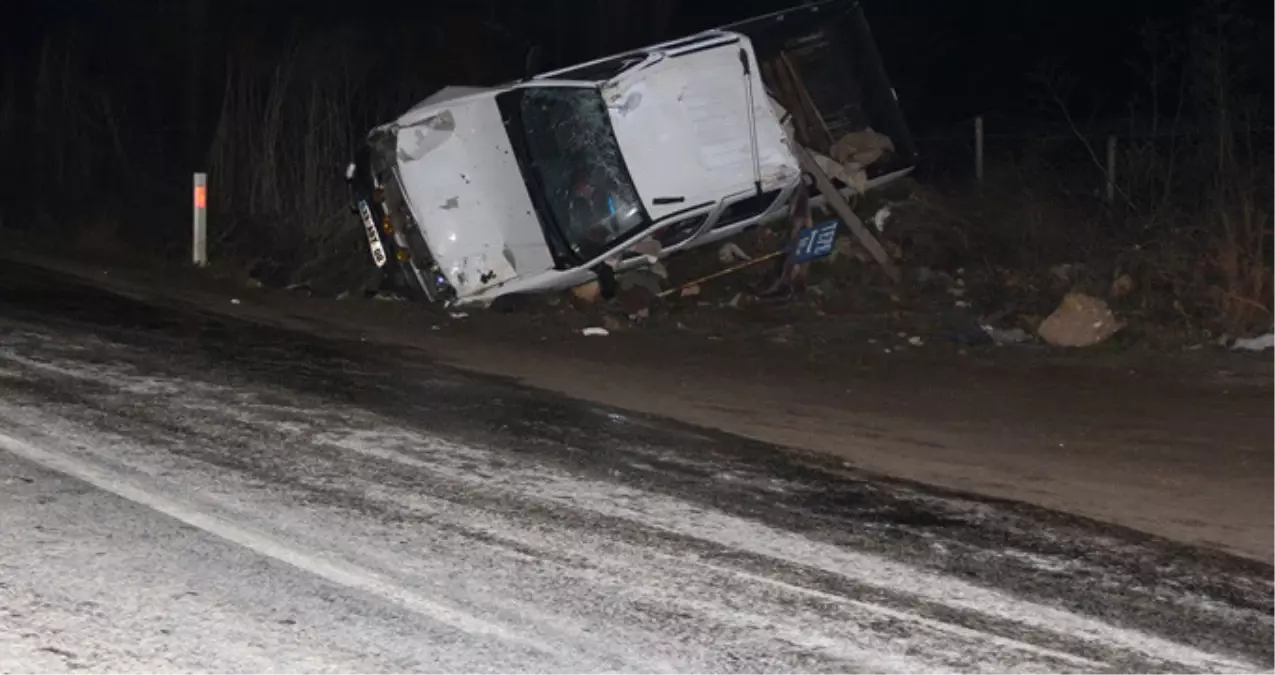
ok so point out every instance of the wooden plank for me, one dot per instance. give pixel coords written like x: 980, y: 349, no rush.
x: 843, y: 210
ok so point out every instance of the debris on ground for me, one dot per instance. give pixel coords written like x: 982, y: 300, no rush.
x: 1122, y: 286
x: 1004, y: 336
x: 1080, y: 321
x: 595, y: 331
x: 1255, y: 344
x: 881, y: 217
x: 730, y: 253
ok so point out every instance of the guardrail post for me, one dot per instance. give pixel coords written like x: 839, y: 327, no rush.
x: 199, y: 243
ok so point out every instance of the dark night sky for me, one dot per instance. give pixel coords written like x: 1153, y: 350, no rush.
x: 949, y: 60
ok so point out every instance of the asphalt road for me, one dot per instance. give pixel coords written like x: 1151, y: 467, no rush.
x: 183, y: 492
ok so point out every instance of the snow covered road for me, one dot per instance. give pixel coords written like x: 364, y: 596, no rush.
x: 181, y: 492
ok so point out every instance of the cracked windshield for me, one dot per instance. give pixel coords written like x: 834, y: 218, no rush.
x: 578, y: 164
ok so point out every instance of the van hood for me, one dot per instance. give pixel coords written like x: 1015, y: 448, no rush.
x: 466, y: 192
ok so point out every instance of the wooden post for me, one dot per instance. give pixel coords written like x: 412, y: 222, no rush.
x: 978, y: 150
x: 1111, y: 168
x: 843, y: 210
x: 199, y: 240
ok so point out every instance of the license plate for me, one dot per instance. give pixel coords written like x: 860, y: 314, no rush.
x: 373, y: 237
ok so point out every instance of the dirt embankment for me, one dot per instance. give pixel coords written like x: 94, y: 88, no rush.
x: 1175, y: 444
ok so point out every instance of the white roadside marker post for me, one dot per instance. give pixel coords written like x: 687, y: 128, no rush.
x: 199, y: 245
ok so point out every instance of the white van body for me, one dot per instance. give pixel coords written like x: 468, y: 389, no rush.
x: 680, y: 136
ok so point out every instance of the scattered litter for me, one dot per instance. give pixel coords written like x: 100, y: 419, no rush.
x: 957, y: 291
x: 734, y: 302
x: 1255, y: 344
x: 1002, y: 336
x: 963, y: 304
x: 595, y: 331
x: 458, y: 315
x: 234, y: 301
x: 916, y: 341
x: 434, y: 328
x: 881, y: 217
x: 730, y: 252
x: 343, y: 295
x: 1080, y: 321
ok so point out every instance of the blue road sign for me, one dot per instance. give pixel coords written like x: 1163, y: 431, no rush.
x: 815, y: 241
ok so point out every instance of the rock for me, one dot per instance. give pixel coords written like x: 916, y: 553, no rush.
x: 1080, y: 321
x: 1122, y: 286
x: 587, y: 293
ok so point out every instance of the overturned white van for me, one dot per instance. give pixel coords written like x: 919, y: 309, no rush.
x: 578, y: 173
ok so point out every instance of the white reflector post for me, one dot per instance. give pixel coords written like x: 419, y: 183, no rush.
x: 199, y: 244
